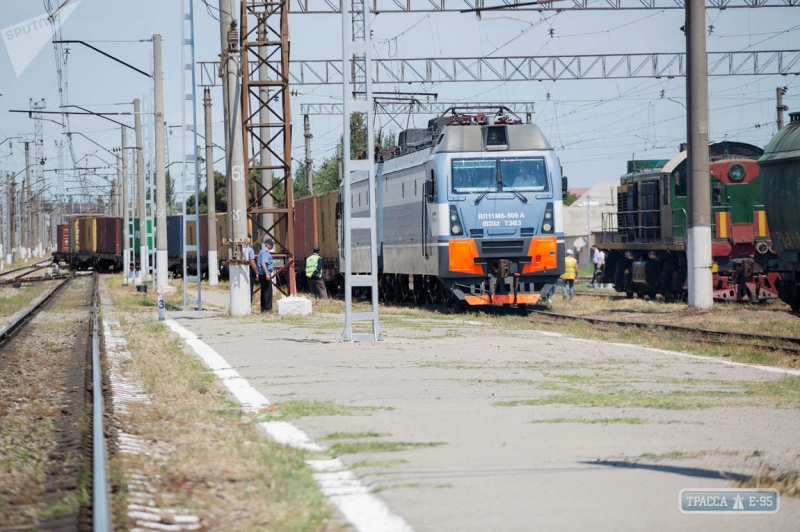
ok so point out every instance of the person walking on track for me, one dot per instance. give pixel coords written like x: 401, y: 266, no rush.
x: 266, y: 269
x: 314, y: 275
x: 569, y: 275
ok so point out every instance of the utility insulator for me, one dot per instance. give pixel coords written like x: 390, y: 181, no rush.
x: 233, y: 37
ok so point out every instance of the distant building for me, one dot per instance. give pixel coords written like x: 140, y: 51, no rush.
x: 601, y: 198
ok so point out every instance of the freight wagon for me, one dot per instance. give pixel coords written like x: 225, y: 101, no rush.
x: 90, y: 243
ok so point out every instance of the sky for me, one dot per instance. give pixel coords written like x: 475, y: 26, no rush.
x: 595, y: 125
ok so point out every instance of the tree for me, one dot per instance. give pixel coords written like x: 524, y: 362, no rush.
x: 170, y: 182
x: 571, y: 198
x: 222, y: 196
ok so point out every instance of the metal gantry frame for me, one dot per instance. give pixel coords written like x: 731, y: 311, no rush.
x: 264, y: 42
x: 189, y: 161
x: 357, y: 100
x: 441, y: 6
x: 536, y: 68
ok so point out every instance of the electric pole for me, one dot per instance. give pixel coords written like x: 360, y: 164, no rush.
x: 307, y: 134
x: 779, y: 92
x: 140, y: 188
x: 211, y: 195
x: 25, y: 226
x: 698, y: 239
x: 161, y: 182
x: 11, y: 195
x: 237, y: 175
x: 126, y: 231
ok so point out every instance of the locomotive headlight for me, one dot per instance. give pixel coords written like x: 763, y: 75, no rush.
x: 547, y: 225
x: 456, y: 227
x: 736, y: 172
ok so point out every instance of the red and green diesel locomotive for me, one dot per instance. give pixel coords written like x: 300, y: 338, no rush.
x: 645, y: 240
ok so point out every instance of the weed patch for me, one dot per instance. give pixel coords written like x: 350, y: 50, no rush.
x: 341, y: 448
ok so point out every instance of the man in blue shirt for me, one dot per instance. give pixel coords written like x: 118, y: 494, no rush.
x: 250, y: 256
x: 266, y: 269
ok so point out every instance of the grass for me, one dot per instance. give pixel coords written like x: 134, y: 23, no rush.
x: 378, y: 463
x: 354, y: 435
x: 208, y: 458
x: 341, y: 448
x: 13, y: 299
x: 784, y: 392
x: 673, y: 400
x: 674, y: 455
x: 787, y: 483
x: 592, y: 420
x: 303, y: 408
x: 378, y: 489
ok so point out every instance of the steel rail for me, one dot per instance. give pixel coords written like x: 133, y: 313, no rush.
x: 18, y: 323
x: 32, y: 268
x: 101, y: 516
x: 725, y: 335
x: 35, y: 279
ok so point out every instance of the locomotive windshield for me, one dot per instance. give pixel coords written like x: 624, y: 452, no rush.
x: 497, y: 175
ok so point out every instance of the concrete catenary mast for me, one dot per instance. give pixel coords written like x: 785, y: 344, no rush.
x: 211, y: 195
x: 140, y: 190
x: 161, y: 181
x: 698, y: 241
x: 236, y: 171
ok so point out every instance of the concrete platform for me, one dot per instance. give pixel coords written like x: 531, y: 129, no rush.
x: 499, y: 467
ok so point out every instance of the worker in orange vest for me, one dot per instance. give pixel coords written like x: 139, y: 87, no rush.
x: 569, y: 275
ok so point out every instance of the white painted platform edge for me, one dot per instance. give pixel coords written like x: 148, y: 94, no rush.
x: 365, y: 511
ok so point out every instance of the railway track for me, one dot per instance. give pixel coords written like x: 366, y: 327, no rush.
x: 759, y: 341
x: 20, y: 273
x: 57, y: 371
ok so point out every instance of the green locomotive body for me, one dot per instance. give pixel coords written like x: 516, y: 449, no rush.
x: 780, y: 180
x: 645, y: 240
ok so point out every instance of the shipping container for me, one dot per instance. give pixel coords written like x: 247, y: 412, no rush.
x: 137, y: 236
x: 328, y: 239
x: 74, y: 236
x: 222, y: 234
x: 175, y: 236
x: 305, y: 227
x: 109, y: 235
x: 87, y: 235
x: 191, y: 238
x: 62, y: 234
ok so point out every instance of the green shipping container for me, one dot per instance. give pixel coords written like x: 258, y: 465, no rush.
x: 137, y: 235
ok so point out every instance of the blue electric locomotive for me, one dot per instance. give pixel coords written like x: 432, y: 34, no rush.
x: 469, y: 209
